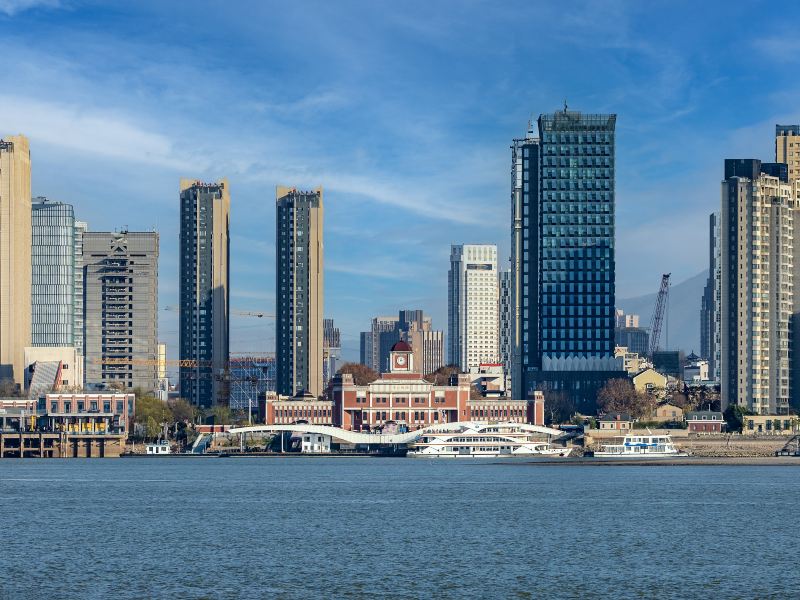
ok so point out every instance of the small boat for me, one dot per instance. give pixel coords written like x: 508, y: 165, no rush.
x: 485, y: 440
x: 637, y: 445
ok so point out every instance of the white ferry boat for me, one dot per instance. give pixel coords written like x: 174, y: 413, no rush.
x: 648, y: 445
x: 485, y: 440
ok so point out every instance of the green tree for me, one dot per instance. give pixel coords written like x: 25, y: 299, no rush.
x: 362, y: 374
x: 734, y: 416
x: 221, y: 414
x: 153, y: 414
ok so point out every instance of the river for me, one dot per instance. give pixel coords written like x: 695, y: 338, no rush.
x: 394, y: 528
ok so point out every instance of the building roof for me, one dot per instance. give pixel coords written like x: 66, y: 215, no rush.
x: 704, y: 415
x: 692, y: 357
x: 401, y: 346
x: 616, y: 416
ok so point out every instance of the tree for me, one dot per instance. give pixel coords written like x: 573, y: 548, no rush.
x: 153, y: 414
x: 362, y: 374
x: 734, y: 416
x: 619, y: 395
x: 441, y: 376
x: 8, y: 388
x: 222, y: 414
x: 558, y: 407
x: 182, y: 411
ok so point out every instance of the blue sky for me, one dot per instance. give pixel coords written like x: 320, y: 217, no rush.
x: 402, y: 111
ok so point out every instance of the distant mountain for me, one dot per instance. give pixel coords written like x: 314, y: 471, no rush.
x: 684, y: 313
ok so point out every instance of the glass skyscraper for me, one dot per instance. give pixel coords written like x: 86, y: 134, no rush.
x: 563, y: 255
x: 52, y: 273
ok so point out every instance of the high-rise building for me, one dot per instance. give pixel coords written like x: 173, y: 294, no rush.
x: 77, y: 304
x: 426, y: 343
x: 52, y: 273
x: 787, y: 149
x: 300, y: 291
x: 709, y: 309
x: 563, y: 190
x: 757, y: 299
x: 204, y: 299
x: 376, y: 343
x: 505, y: 321
x: 472, y: 306
x: 331, y: 351
x: 121, y: 309
x: 624, y: 320
x: 15, y: 257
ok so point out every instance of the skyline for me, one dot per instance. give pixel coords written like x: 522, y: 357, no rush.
x: 406, y: 122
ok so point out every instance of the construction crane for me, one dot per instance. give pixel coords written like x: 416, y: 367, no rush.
x: 238, y: 313
x: 658, y: 313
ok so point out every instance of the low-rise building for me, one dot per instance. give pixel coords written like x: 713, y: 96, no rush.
x: 52, y: 368
x: 302, y: 407
x: 401, y: 395
x: 632, y: 362
x: 667, y: 413
x: 696, y: 369
x: 88, y: 412
x: 770, y: 424
x: 649, y: 381
x: 489, y: 379
x: 617, y: 421
x: 705, y: 421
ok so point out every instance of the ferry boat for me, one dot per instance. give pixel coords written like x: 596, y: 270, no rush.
x: 484, y: 440
x: 637, y: 445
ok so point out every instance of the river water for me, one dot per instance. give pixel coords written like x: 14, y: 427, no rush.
x: 399, y: 528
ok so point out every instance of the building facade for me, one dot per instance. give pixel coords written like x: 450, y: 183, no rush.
x: 331, y: 351
x: 563, y: 195
x: 52, y: 273
x: 252, y: 376
x: 49, y: 369
x: 504, y: 323
x: 757, y: 300
x: 121, y: 309
x: 376, y: 342
x: 204, y: 296
x: 299, y: 288
x: 709, y: 307
x: 81, y: 228
x: 400, y: 396
x: 473, y: 327
x: 787, y: 149
x: 15, y: 256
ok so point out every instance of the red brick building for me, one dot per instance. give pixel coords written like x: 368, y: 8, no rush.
x: 401, y: 395
x: 705, y: 421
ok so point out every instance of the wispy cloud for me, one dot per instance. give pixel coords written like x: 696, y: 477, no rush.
x: 13, y: 7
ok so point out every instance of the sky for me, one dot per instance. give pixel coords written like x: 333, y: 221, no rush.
x: 402, y: 111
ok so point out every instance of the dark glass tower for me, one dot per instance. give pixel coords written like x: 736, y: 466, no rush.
x: 563, y: 255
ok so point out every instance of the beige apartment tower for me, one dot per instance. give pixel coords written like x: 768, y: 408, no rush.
x: 15, y: 256
x: 787, y: 148
x: 204, y: 291
x: 299, y: 290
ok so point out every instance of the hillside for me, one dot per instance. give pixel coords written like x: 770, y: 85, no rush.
x: 684, y: 312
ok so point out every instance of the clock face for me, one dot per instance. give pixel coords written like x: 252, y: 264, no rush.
x: 401, y: 360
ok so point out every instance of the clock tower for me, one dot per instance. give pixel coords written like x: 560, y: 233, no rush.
x: 401, y: 358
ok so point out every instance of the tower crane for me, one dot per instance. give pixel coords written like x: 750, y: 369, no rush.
x: 238, y: 313
x: 658, y: 313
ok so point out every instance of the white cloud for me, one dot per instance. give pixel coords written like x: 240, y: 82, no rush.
x: 89, y: 130
x: 12, y: 7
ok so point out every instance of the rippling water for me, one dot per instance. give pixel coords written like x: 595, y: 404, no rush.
x: 366, y: 528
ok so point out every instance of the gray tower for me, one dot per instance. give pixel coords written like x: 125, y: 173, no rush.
x: 121, y: 308
x: 204, y: 297
x: 299, y: 291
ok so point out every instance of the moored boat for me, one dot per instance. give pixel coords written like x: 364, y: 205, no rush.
x: 637, y: 445
x: 485, y: 440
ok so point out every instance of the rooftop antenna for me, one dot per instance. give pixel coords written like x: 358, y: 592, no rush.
x: 565, y: 105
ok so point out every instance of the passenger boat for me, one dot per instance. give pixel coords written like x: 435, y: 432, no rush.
x: 484, y: 440
x: 637, y: 445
